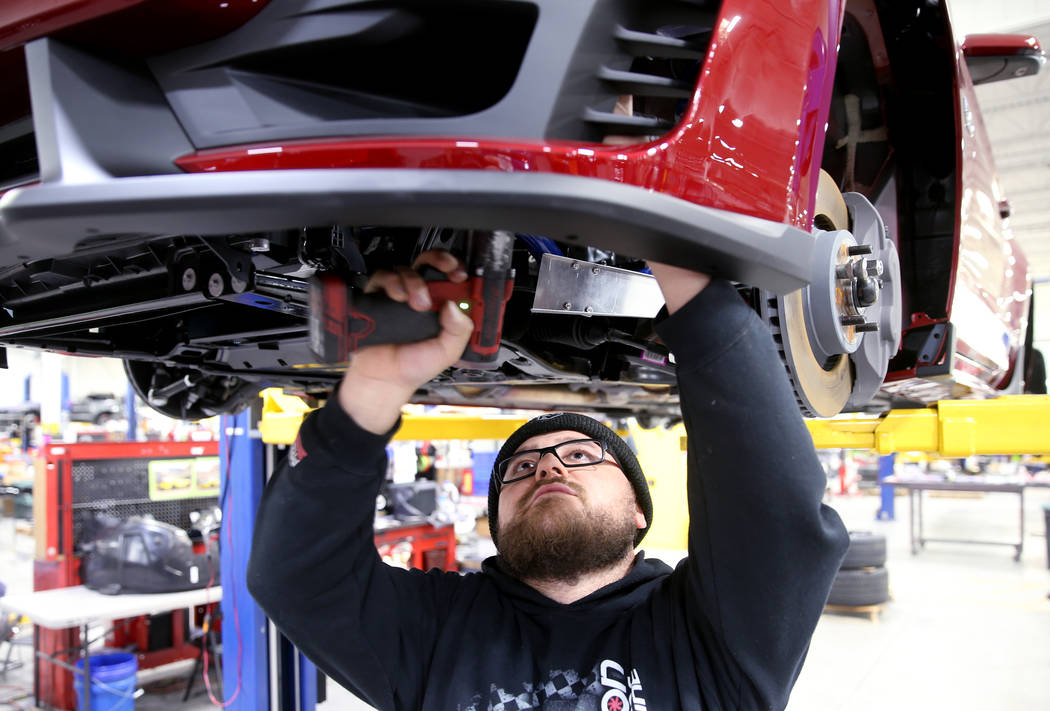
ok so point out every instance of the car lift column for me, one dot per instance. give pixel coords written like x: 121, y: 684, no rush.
x: 886, y: 491
x: 244, y: 654
x: 256, y: 657
x: 295, y: 684
x: 131, y: 413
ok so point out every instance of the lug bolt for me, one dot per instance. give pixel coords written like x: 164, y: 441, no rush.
x: 851, y: 320
x: 844, y: 271
x: 567, y: 305
x: 869, y: 326
x: 596, y: 271
x: 189, y: 279
x: 873, y: 267
x: 858, y: 249
x: 575, y: 266
x: 215, y: 284
x: 588, y: 309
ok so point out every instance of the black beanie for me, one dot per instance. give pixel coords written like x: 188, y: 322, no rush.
x: 590, y: 427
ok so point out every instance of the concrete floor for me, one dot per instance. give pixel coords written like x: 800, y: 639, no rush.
x: 968, y: 628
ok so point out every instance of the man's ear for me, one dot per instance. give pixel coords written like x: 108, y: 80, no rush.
x: 639, y: 517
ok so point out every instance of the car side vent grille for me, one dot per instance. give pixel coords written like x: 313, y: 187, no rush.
x: 655, y: 74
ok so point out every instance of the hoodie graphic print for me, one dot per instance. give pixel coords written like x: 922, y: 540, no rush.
x: 608, y: 687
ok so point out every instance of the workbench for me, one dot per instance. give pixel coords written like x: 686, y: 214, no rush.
x: 916, y: 486
x: 78, y: 606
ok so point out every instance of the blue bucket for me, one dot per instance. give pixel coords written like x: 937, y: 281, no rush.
x: 112, y: 682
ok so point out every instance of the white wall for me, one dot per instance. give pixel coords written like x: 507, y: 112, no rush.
x: 973, y: 16
x: 96, y: 375
x: 86, y: 375
x: 20, y: 363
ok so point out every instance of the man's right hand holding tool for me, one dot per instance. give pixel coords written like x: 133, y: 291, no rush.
x: 382, y: 378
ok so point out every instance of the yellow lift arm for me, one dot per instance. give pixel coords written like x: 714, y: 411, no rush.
x: 1013, y: 424
x: 282, y: 414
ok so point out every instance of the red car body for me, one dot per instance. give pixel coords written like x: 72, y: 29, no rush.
x: 769, y: 109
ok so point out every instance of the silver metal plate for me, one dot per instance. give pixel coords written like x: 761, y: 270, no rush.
x: 572, y: 286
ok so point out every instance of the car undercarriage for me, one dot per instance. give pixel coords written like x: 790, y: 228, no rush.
x: 167, y: 203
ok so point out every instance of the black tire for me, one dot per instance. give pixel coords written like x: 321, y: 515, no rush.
x: 855, y: 588
x: 1035, y: 375
x: 866, y: 550
x: 1034, y: 363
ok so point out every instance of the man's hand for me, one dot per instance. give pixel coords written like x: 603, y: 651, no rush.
x: 678, y: 285
x: 380, y: 379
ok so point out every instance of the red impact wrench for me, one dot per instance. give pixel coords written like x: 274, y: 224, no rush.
x: 343, y: 320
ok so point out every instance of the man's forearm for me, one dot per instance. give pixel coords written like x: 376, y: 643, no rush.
x: 317, y: 512
x: 375, y: 405
x: 382, y: 378
x: 763, y: 550
x: 678, y: 285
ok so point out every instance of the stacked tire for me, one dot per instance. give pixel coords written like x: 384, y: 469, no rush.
x: 862, y: 579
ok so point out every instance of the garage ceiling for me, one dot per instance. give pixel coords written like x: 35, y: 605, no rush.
x: 1017, y: 116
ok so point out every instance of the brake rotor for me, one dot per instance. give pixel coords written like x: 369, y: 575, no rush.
x: 871, y: 360
x: 836, y: 335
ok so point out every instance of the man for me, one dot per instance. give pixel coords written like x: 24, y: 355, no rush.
x: 565, y: 617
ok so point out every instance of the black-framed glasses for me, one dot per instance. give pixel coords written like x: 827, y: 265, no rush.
x: 574, y: 453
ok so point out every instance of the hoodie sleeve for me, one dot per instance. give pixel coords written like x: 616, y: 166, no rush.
x: 763, y: 549
x: 315, y: 571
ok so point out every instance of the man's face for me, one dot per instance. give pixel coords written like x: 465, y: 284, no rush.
x: 563, y: 521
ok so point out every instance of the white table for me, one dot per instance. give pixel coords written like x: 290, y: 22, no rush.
x: 79, y: 606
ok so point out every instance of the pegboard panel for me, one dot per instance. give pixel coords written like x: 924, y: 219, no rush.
x: 119, y: 487
x: 110, y: 480
x: 174, y: 511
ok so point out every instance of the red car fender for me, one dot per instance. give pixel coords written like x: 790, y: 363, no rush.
x: 991, y: 289
x: 751, y: 140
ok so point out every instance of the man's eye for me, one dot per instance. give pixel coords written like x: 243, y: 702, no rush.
x: 522, y: 466
x: 579, y: 455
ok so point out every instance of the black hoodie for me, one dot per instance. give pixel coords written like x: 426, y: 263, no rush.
x: 727, y: 629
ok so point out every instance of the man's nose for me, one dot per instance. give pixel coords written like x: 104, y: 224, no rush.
x: 547, y: 464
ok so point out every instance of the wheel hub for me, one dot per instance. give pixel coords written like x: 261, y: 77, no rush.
x: 837, y: 334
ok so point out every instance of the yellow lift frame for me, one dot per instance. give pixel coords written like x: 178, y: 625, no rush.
x: 1013, y: 424
x: 951, y: 428
x: 282, y: 414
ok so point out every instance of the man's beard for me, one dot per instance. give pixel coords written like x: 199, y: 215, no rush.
x: 550, y: 541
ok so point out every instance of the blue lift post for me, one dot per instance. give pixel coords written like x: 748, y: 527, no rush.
x: 296, y: 679
x: 27, y: 392
x: 296, y: 683
x: 132, y: 415
x: 65, y: 401
x: 886, y: 491
x: 307, y: 683
x: 245, y: 656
